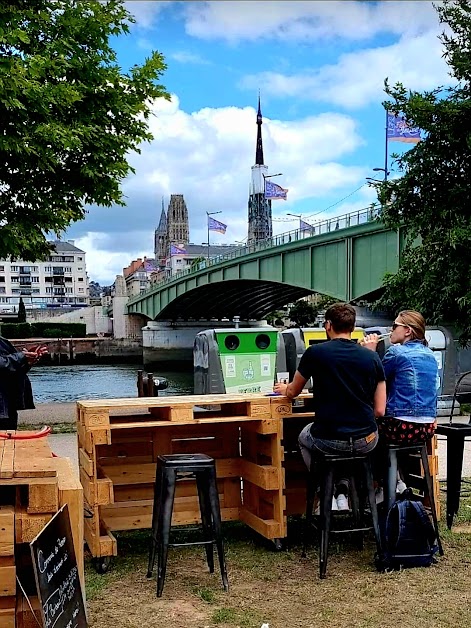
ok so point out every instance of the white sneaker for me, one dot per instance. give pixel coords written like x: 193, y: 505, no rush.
x: 379, y: 495
x: 334, y: 506
x: 342, y: 502
x: 401, y: 486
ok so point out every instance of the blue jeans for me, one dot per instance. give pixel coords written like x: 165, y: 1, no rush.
x: 310, y: 446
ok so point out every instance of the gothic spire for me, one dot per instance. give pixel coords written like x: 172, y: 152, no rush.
x: 259, y: 151
x: 163, y: 220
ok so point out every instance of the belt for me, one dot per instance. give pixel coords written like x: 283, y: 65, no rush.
x: 368, y: 438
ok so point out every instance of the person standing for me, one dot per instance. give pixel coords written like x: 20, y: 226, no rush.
x: 349, y: 393
x: 15, y: 386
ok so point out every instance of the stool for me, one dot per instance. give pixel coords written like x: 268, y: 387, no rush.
x: 391, y: 480
x: 203, y: 469
x: 455, y: 434
x: 323, y: 469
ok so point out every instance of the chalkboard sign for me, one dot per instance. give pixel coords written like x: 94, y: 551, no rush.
x: 57, y: 577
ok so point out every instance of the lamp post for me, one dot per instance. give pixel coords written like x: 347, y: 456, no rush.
x: 300, y: 217
x: 208, y: 214
x: 385, y: 170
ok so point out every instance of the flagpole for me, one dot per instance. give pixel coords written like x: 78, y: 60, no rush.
x: 208, y: 214
x: 386, y: 150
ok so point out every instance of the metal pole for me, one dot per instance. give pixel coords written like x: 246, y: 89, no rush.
x: 207, y: 219
x: 386, y: 150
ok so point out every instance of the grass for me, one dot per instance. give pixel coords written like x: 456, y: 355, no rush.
x: 56, y: 428
x: 281, y: 588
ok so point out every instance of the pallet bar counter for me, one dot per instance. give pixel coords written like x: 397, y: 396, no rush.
x: 119, y: 441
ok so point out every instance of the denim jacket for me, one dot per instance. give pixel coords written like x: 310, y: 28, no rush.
x: 411, y: 379
x: 15, y: 386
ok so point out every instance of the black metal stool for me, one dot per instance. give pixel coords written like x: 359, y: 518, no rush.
x: 323, y: 469
x: 391, y: 479
x: 203, y: 468
x: 455, y: 433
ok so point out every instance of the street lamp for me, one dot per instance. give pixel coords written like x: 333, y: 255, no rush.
x: 208, y: 214
x: 386, y: 172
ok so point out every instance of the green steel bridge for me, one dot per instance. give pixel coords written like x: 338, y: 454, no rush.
x: 347, y: 258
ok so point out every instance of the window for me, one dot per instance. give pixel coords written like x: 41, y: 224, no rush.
x: 80, y: 289
x: 48, y: 269
x: 35, y: 291
x: 80, y: 268
x: 48, y: 290
x: 34, y: 279
x: 68, y: 269
x: 2, y: 290
x: 15, y: 279
x: 80, y: 259
x: 2, y: 269
x: 15, y: 269
x: 80, y: 279
x: 68, y: 290
x: 2, y: 279
x: 15, y: 291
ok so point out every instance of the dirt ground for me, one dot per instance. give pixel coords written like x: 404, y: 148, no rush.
x: 281, y: 588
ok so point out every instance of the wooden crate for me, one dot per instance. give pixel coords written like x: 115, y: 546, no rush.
x: 119, y: 441
x: 33, y: 486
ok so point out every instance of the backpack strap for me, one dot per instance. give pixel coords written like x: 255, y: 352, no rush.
x: 425, y: 520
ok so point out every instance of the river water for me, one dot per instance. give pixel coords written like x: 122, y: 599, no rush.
x: 100, y: 381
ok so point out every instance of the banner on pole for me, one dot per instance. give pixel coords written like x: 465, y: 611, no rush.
x: 274, y: 191
x: 305, y: 227
x: 215, y: 225
x: 176, y: 250
x: 400, y: 131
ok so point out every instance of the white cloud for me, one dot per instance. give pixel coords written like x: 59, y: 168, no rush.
x: 306, y: 21
x: 206, y: 155
x: 358, y: 77
x: 146, y: 12
x: 188, y: 57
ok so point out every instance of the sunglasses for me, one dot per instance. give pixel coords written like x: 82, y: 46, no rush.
x: 396, y: 325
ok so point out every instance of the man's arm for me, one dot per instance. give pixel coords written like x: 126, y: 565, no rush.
x: 293, y: 389
x: 379, y: 399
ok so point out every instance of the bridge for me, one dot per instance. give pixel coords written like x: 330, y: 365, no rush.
x: 346, y: 258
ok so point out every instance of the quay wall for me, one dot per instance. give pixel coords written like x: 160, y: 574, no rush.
x: 85, y: 350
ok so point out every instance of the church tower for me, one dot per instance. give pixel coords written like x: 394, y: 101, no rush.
x: 260, y: 224
x: 160, y: 238
x: 178, y: 230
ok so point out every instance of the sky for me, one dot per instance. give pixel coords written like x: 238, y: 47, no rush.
x: 320, y: 67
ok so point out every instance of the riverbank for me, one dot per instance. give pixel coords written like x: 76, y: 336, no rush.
x: 48, y: 414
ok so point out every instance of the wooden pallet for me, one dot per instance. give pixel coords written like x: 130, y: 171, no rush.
x: 33, y: 486
x: 118, y: 454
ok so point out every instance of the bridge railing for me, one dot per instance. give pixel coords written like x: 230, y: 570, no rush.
x: 345, y: 221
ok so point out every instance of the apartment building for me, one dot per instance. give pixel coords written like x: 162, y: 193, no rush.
x: 59, y: 282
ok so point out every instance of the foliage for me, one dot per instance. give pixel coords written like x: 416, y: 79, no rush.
x: 70, y: 116
x: 276, y: 318
x: 303, y: 313
x: 44, y: 330
x: 21, y: 311
x: 432, y: 198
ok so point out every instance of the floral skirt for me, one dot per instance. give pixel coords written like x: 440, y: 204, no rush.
x: 401, y: 432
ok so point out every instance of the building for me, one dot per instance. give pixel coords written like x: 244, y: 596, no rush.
x: 161, y: 238
x: 259, y: 209
x: 193, y: 254
x: 59, y: 282
x: 137, y: 275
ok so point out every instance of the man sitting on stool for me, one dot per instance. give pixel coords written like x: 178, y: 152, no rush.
x: 349, y: 392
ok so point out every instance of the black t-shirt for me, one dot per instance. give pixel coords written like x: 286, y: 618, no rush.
x: 344, y: 376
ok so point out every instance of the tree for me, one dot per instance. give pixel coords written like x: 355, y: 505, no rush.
x: 432, y: 199
x: 302, y: 313
x: 21, y: 311
x: 69, y: 116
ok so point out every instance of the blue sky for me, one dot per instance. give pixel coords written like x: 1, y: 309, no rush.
x: 320, y: 68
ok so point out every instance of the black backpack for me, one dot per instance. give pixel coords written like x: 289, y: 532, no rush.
x: 410, y: 539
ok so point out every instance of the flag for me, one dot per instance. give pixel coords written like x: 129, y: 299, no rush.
x: 274, y: 191
x: 400, y: 131
x: 215, y: 225
x: 306, y: 227
x: 175, y: 250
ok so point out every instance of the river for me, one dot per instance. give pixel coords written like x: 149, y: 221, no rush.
x: 100, y: 381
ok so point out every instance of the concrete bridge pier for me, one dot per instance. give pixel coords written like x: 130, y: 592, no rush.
x: 172, y: 341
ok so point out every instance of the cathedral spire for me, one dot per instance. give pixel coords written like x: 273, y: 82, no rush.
x: 259, y: 151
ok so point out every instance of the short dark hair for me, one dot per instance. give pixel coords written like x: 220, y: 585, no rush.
x: 342, y: 317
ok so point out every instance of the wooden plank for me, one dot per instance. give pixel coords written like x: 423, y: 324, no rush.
x: 174, y: 400
x: 266, y: 477
x: 8, y: 459
x: 7, y: 531
x: 71, y: 493
x: 28, y: 526
x: 270, y: 529
x: 24, y: 616
x: 98, y: 418
x: 96, y: 492
x: 33, y: 458
x: 280, y: 407
x: 43, y: 496
x: 7, y: 576
x: 85, y: 462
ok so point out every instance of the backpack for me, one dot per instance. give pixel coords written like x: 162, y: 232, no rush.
x: 410, y: 539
